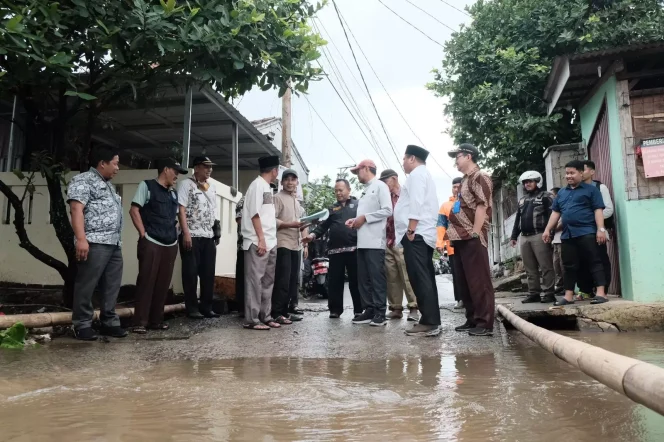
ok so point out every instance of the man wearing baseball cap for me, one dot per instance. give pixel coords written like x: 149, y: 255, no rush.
x: 415, y: 217
x: 374, y: 207
x: 154, y: 211
x: 288, y: 213
x: 395, y: 266
x: 469, y: 232
x: 198, y: 211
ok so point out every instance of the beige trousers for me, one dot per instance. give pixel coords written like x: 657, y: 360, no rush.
x: 397, y: 280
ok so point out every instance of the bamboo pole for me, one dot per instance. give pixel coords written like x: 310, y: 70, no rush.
x: 640, y: 381
x: 38, y: 320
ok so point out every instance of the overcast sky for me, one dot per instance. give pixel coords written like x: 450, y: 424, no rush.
x: 403, y: 59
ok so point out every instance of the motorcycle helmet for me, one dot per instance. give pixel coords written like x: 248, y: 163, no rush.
x: 532, y: 175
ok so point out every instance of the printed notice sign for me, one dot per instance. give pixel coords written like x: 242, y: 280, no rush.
x: 653, y: 157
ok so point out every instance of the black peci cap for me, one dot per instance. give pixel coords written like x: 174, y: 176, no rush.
x: 267, y: 162
x: 417, y: 151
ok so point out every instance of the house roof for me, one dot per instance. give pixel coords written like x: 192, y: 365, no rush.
x: 152, y: 130
x: 260, y: 124
x: 574, y: 77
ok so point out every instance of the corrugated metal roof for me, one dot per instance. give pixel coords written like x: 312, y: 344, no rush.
x: 617, y: 50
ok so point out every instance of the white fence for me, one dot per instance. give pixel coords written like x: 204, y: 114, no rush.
x: 18, y: 266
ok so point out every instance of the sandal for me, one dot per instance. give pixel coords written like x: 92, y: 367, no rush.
x: 139, y: 330
x: 273, y: 324
x: 563, y: 302
x: 256, y: 327
x: 162, y: 326
x: 599, y: 300
x: 283, y: 320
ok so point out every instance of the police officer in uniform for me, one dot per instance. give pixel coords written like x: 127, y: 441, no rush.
x: 531, y: 219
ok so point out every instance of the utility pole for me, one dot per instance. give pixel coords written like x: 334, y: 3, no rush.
x: 286, y: 128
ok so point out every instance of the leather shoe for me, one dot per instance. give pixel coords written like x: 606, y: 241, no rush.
x: 195, y: 315
x: 465, y: 327
x: 113, y: 332
x: 210, y: 314
x: 296, y: 311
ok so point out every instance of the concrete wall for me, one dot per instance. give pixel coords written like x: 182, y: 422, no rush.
x: 639, y: 224
x: 20, y: 267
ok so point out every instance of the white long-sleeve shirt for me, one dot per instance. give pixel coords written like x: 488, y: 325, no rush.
x: 608, y: 203
x: 418, y: 201
x: 376, y: 206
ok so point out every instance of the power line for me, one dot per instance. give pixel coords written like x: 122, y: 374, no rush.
x: 365, y: 83
x: 388, y: 94
x: 454, y: 7
x: 412, y: 25
x: 430, y: 15
x: 311, y: 106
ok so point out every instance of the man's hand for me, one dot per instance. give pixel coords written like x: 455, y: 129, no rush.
x: 141, y: 235
x: 513, y: 243
x: 186, y: 239
x: 349, y: 223
x: 601, y: 237
x: 410, y: 236
x: 304, y: 226
x: 305, y: 253
x: 82, y: 249
x: 440, y: 250
x: 309, y: 238
x: 546, y: 236
x: 359, y: 222
x: 293, y: 225
x: 262, y: 247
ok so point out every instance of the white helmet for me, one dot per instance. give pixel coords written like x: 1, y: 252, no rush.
x: 532, y: 175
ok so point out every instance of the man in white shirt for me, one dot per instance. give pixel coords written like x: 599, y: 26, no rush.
x: 415, y: 220
x: 373, y: 209
x: 197, y: 197
x: 259, y: 242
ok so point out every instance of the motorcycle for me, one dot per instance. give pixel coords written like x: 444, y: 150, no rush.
x: 318, y: 282
x: 445, y: 264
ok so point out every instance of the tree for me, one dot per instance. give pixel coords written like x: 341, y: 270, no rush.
x: 67, y: 62
x: 495, y: 70
x: 319, y: 193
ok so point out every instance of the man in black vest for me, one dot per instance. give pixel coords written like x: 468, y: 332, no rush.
x: 154, y: 213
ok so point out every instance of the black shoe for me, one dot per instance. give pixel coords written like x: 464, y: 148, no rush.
x: 85, y: 334
x: 294, y: 318
x: 295, y: 310
x: 531, y: 298
x: 378, y: 321
x: 210, y: 314
x: 113, y: 332
x: 465, y: 327
x: 195, y: 315
x: 548, y: 298
x: 480, y: 331
x: 364, y: 318
x: 334, y: 315
x: 356, y: 315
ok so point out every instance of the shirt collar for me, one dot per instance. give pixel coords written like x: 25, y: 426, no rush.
x: 96, y: 172
x: 473, y: 171
x: 366, y: 186
x: 397, y: 192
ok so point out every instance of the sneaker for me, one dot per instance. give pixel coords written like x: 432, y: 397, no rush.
x: 113, y: 332
x: 356, y: 315
x: 364, y: 318
x: 395, y: 314
x: 85, y: 334
x: 334, y: 315
x: 465, y: 327
x: 378, y: 321
x: 548, y: 298
x: 458, y: 305
x: 423, y: 330
x: 480, y: 331
x: 414, y: 315
x: 531, y: 298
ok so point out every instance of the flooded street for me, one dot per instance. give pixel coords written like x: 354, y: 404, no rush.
x: 318, y: 380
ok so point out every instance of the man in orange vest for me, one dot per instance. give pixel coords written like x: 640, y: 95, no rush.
x: 444, y: 244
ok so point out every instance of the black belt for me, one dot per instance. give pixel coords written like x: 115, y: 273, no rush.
x: 532, y: 234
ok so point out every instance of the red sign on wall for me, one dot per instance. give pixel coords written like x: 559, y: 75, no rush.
x: 653, y: 157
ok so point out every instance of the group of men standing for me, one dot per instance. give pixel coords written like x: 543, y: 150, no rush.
x: 564, y: 235
x: 97, y: 220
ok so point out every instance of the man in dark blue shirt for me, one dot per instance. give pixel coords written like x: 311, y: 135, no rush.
x: 580, y: 205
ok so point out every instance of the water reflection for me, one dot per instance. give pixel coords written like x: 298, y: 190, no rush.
x: 518, y: 394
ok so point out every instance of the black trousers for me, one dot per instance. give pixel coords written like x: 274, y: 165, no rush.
x: 293, y: 298
x: 582, y: 253
x: 239, y: 283
x: 285, y: 280
x: 585, y: 277
x: 340, y: 263
x: 371, y: 280
x: 455, y: 286
x: 199, y: 262
x: 419, y: 265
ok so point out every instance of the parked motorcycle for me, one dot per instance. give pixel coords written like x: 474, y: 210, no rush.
x: 445, y: 267
x: 317, y: 284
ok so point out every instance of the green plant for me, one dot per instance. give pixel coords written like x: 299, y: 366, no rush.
x: 13, y: 337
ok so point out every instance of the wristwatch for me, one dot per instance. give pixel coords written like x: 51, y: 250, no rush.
x: 410, y: 232
x: 475, y: 235
x: 603, y: 230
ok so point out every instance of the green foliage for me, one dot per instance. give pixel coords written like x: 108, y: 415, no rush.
x: 319, y: 194
x: 13, y: 337
x: 495, y: 70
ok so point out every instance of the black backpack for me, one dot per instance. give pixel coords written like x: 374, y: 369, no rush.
x: 608, y: 222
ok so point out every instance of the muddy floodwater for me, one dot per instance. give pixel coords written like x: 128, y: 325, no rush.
x: 515, y: 392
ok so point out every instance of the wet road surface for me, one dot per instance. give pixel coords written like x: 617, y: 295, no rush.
x: 320, y: 379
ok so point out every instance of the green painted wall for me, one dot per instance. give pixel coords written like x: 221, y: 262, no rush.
x: 639, y: 223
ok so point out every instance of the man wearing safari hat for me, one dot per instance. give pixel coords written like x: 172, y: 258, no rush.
x: 415, y: 218
x: 395, y: 266
x: 259, y: 242
x: 373, y: 209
